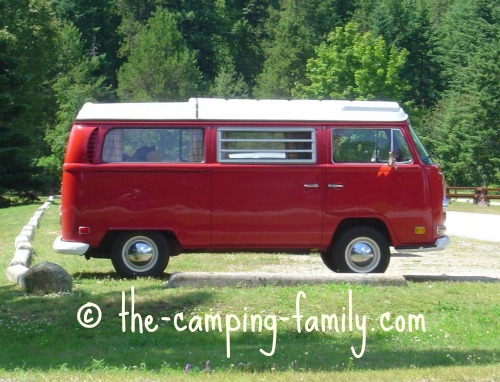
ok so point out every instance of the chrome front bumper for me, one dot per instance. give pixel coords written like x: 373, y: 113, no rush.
x: 69, y: 247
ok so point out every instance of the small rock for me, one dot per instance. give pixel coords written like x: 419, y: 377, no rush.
x: 48, y: 277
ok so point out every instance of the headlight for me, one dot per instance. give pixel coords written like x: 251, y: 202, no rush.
x: 445, y: 203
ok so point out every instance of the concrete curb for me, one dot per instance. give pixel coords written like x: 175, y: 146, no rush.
x: 23, y: 253
x: 433, y: 278
x: 15, y: 274
x: 257, y: 279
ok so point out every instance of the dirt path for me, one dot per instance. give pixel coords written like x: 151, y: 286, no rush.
x: 474, y: 251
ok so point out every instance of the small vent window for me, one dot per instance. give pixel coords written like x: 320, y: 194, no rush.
x: 91, y: 145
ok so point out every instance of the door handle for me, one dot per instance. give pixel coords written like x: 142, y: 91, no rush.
x: 311, y: 185
x: 336, y: 186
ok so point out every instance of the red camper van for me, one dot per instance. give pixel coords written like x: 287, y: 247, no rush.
x: 146, y: 181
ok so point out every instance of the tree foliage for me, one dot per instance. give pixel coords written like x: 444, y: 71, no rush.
x: 407, y: 25
x: 295, y: 30
x: 159, y: 67
x: 75, y: 83
x: 354, y: 65
x: 97, y: 21
x: 466, y: 129
x: 26, y: 37
x: 287, y: 54
x: 437, y: 57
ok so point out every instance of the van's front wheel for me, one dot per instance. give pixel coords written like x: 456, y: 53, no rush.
x: 140, y: 254
x: 359, y: 250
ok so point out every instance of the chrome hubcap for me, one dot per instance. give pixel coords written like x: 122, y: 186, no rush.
x: 140, y: 253
x: 362, y: 255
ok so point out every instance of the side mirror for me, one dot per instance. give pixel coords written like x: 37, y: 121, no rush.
x: 392, y: 162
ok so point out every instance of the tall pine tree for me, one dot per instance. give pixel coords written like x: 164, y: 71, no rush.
x: 466, y: 134
x: 97, y: 21
x: 160, y: 67
x: 295, y: 29
x: 76, y: 82
x: 407, y: 25
x: 26, y: 40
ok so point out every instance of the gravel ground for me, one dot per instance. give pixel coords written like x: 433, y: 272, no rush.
x: 474, y: 252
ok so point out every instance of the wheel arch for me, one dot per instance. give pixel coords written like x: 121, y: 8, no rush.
x: 104, y: 249
x: 375, y: 223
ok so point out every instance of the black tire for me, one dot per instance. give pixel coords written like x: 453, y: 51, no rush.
x: 140, y: 254
x: 326, y: 256
x: 360, y: 249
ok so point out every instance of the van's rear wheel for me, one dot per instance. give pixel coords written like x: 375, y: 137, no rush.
x: 359, y: 250
x: 139, y: 254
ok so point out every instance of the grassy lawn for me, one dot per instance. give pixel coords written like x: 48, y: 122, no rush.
x: 41, y: 337
x: 469, y: 207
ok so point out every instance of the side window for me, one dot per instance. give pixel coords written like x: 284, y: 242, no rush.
x: 266, y: 145
x: 369, y: 146
x: 153, y: 145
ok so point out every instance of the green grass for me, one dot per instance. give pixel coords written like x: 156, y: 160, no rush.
x: 469, y: 207
x: 41, y: 338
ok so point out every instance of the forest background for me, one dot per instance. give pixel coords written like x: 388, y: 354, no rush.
x: 438, y: 58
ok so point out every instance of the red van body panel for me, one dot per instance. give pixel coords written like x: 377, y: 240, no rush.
x: 214, y: 204
x: 258, y: 212
x: 396, y: 195
x: 145, y: 196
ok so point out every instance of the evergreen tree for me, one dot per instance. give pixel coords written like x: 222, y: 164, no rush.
x: 16, y: 167
x: 286, y: 57
x: 199, y: 25
x: 233, y: 28
x: 243, y: 32
x: 97, y: 21
x: 76, y: 82
x: 300, y: 26
x: 26, y: 32
x: 440, y: 57
x: 228, y: 83
x: 160, y: 67
x: 407, y: 25
x: 466, y: 133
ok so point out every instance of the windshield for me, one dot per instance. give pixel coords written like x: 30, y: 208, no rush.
x: 426, y: 158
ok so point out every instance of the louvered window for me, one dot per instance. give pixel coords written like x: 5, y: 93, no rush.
x: 91, y: 145
x: 266, y: 145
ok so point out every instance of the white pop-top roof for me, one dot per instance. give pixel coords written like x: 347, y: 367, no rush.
x: 211, y: 109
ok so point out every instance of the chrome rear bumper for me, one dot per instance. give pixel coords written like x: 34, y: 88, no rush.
x: 69, y: 247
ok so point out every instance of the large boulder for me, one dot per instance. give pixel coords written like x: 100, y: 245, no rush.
x: 47, y: 277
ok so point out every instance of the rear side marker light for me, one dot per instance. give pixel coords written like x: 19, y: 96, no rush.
x: 83, y: 230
